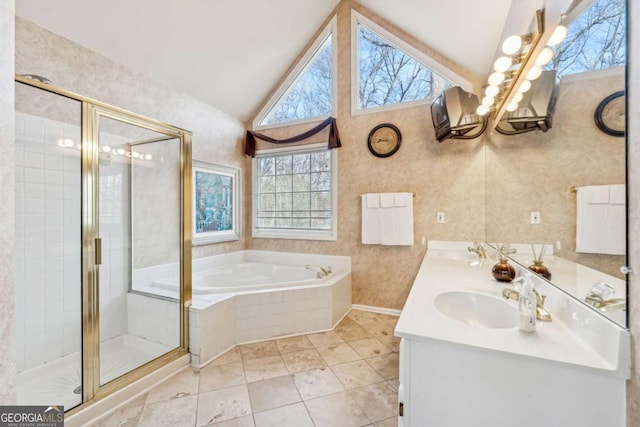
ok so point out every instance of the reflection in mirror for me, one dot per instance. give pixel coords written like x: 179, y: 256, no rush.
x: 532, y: 178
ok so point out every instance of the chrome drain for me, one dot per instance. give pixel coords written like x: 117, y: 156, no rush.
x: 77, y: 390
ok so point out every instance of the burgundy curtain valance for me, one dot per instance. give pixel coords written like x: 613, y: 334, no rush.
x: 334, y: 138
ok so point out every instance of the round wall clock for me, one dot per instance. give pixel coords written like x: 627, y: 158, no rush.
x: 384, y: 140
x: 610, y: 114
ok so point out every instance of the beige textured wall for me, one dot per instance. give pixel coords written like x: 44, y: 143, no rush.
x: 633, y: 162
x: 446, y: 177
x: 217, y: 137
x: 7, y: 188
x: 534, y: 171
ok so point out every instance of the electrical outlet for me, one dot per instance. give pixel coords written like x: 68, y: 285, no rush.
x: 440, y: 217
x: 535, y: 217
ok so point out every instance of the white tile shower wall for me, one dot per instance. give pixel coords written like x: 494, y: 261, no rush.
x: 47, y: 252
x: 154, y: 319
x: 48, y: 244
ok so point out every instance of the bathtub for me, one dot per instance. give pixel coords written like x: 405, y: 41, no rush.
x: 247, y: 277
x: 249, y: 296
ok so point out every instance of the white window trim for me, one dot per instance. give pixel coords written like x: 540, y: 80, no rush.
x: 296, y: 234
x: 296, y: 74
x: 398, y: 43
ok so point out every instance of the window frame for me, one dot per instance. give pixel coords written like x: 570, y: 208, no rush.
x: 296, y: 234
x: 296, y: 73
x: 430, y: 63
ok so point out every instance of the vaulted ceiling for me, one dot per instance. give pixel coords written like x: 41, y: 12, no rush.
x: 230, y: 54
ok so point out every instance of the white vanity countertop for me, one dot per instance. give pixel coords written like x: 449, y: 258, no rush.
x: 446, y: 270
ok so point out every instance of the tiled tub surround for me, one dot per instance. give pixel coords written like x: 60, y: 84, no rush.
x: 574, y: 367
x: 346, y: 377
x: 219, y: 320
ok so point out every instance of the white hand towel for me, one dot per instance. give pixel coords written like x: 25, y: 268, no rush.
x: 397, y: 223
x: 373, y: 200
x: 401, y: 199
x: 370, y: 220
x: 600, y: 227
x: 617, y: 194
x: 386, y: 200
x: 597, y: 194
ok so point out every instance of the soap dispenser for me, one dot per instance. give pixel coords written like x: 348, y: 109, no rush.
x: 527, y: 306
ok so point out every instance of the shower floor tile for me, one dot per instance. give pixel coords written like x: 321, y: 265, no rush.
x: 56, y: 383
x: 262, y: 392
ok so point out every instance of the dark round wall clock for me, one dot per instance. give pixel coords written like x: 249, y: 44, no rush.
x: 610, y: 114
x: 384, y: 140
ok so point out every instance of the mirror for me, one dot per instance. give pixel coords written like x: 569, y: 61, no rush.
x: 532, y: 177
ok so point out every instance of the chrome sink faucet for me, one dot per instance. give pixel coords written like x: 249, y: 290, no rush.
x: 322, y: 272
x: 478, y: 248
x: 541, y: 312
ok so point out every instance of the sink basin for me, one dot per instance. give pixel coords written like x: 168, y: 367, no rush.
x: 477, y: 309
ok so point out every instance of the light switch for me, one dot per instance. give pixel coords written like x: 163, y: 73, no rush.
x: 440, y: 217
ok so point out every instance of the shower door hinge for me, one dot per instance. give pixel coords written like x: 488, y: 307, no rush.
x: 626, y: 270
x: 401, y: 409
x: 98, y: 250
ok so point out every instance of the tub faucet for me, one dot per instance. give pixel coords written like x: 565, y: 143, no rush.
x: 541, y: 312
x: 321, y: 271
x: 478, y: 248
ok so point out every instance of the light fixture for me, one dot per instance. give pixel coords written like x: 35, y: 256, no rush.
x: 66, y: 142
x: 534, y: 72
x: 492, y: 90
x: 513, y: 44
x: 525, y: 86
x: 545, y: 56
x: 502, y: 64
x: 496, y: 78
x: 557, y: 36
x: 120, y: 151
x: 482, y: 110
x: 106, y: 148
x: 148, y: 157
x: 507, y: 81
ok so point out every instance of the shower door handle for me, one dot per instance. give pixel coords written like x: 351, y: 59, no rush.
x: 98, y: 250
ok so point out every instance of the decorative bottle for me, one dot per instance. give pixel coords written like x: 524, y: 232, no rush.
x: 503, y: 271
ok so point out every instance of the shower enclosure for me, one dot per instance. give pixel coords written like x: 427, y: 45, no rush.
x: 101, y: 193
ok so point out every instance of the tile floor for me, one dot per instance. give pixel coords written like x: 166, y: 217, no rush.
x: 342, y: 378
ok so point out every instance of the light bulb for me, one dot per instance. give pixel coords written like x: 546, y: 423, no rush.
x: 491, y: 90
x: 525, y: 86
x: 513, y: 106
x: 148, y: 156
x: 545, y: 56
x: 487, y: 101
x: 135, y: 154
x: 534, y: 73
x: 518, y: 97
x: 557, y: 36
x: 496, y: 78
x: 511, y: 45
x: 106, y: 148
x: 120, y: 151
x: 482, y: 110
x: 65, y: 142
x: 502, y: 64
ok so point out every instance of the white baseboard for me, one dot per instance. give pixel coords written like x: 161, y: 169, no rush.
x: 381, y: 310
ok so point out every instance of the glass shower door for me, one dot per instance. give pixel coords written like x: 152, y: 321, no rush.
x: 48, y: 246
x: 139, y: 228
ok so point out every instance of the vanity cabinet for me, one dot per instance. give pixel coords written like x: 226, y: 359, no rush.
x: 444, y: 384
x: 571, y: 371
